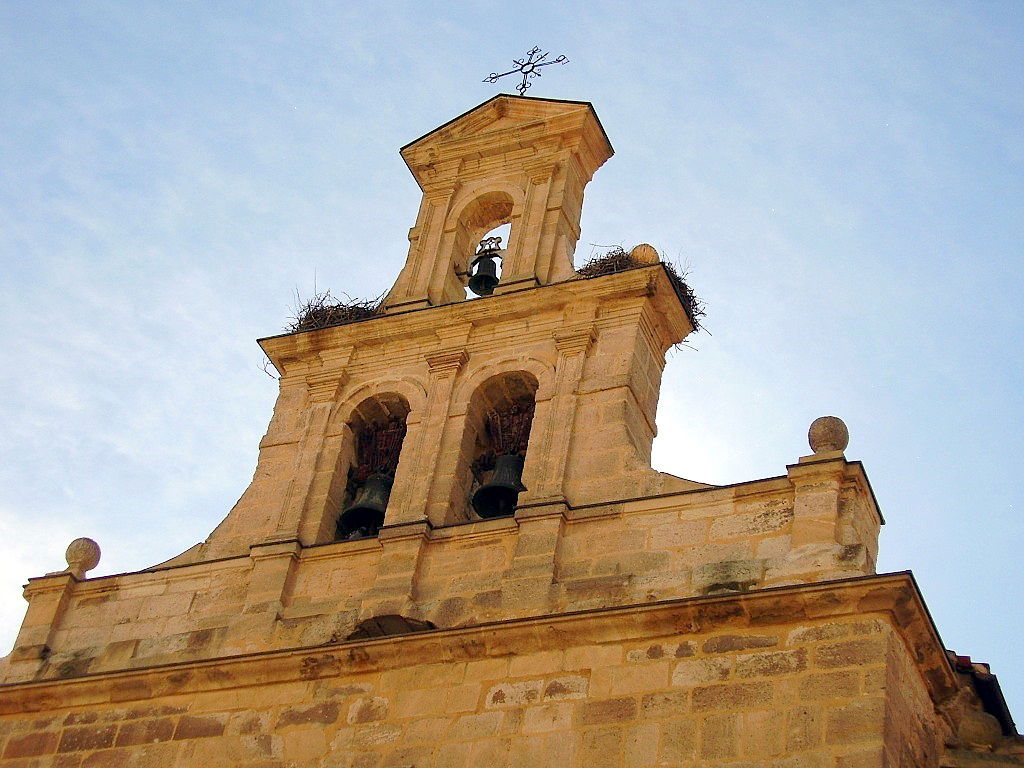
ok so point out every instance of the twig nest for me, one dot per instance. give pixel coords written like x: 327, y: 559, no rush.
x: 82, y: 555
x: 645, y: 254
x: 827, y: 434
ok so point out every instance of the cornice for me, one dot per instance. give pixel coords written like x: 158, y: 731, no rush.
x: 650, y: 281
x: 894, y: 596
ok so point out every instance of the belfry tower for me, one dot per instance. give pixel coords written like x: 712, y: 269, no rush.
x: 454, y: 550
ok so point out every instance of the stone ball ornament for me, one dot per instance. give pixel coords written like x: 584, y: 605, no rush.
x: 645, y: 254
x: 82, y: 555
x: 828, y: 434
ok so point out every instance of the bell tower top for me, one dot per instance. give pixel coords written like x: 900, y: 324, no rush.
x: 511, y: 160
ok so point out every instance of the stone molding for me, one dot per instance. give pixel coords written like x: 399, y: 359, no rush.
x: 894, y: 596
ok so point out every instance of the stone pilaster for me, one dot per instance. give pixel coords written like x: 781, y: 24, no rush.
x: 48, y: 597
x: 816, y: 487
x: 522, y: 265
x: 323, y: 387
x: 394, y: 586
x: 408, y: 501
x: 273, y: 567
x: 558, y: 424
x: 530, y: 577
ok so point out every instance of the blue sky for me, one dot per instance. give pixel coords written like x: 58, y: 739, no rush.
x: 843, y: 181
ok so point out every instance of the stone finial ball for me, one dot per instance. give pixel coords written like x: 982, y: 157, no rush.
x: 645, y: 254
x: 828, y: 433
x: 82, y: 555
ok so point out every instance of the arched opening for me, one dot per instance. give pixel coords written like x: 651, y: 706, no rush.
x: 498, y: 424
x: 366, y: 468
x: 489, y: 215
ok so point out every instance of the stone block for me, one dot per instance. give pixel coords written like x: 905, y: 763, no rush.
x: 417, y: 703
x: 602, y: 747
x: 759, y: 522
x: 548, y: 717
x: 463, y: 698
x: 565, y: 687
x: 641, y: 745
x: 304, y: 745
x: 453, y: 755
x: 762, y: 734
x: 376, y: 734
x: 145, y: 732
x: 728, y: 643
x: 731, y: 696
x: 678, y: 740
x: 718, y: 737
x: 637, y: 679
x: 679, y: 533
x: 856, y: 721
x: 851, y: 653
x: 514, y: 694
x: 771, y: 663
x: 592, y: 656
x: 536, y: 664
x: 364, y: 710
x: 830, y: 685
x: 693, y: 671
x: 486, y: 669
x: 657, y: 651
x: 664, y: 704
x: 607, y: 712
x: 804, y: 727
x: 194, y: 727
x: 31, y: 745
x: 873, y: 757
x: 86, y: 737
x: 475, y: 726
x: 324, y: 713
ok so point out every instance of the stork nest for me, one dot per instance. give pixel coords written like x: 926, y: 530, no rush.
x: 323, y: 309
x: 619, y: 260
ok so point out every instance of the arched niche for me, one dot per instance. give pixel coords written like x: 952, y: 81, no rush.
x: 507, y: 395
x: 380, y: 417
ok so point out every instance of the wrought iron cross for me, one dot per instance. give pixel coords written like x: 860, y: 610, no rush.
x: 528, y: 67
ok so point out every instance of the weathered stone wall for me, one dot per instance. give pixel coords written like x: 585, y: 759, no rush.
x: 914, y: 735
x: 548, y: 560
x: 810, y: 695
x: 594, y: 347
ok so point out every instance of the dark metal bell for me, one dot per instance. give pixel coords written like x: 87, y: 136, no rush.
x: 498, y: 497
x: 486, y: 276
x: 365, y: 515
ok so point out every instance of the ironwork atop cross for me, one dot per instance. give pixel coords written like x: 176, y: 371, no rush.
x: 528, y: 67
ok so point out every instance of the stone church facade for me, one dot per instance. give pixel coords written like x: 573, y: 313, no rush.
x: 619, y: 616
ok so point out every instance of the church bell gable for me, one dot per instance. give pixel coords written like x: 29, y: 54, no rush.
x: 511, y: 160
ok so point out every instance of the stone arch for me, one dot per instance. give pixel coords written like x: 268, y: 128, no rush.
x: 412, y: 391
x: 366, y: 409
x: 475, y: 211
x: 495, y: 390
x: 541, y: 370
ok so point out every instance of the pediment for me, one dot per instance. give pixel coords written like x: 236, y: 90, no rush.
x: 504, y: 120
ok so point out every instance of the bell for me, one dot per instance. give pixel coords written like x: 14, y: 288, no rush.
x: 486, y: 277
x: 365, y: 515
x: 498, y: 497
